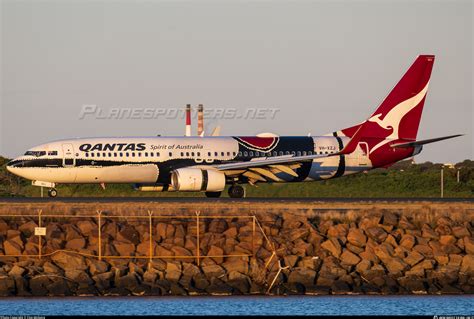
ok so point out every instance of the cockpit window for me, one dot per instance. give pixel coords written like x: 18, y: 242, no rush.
x: 53, y: 153
x: 36, y: 153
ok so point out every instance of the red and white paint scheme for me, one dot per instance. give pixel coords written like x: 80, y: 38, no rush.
x: 208, y: 164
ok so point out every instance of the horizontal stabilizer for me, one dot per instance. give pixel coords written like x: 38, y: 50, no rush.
x: 422, y: 142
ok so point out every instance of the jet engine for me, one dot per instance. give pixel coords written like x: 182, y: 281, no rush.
x: 196, y: 179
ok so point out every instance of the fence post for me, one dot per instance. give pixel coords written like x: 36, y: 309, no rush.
x: 197, y: 236
x: 150, y: 213
x: 40, y: 242
x: 253, y: 235
x: 99, y: 215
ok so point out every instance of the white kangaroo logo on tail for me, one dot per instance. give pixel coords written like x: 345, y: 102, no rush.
x: 395, y: 115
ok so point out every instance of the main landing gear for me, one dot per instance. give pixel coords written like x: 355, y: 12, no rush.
x: 213, y: 194
x: 52, y: 192
x: 236, y: 191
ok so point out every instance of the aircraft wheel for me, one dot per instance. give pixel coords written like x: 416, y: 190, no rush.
x: 236, y: 191
x: 52, y: 192
x: 213, y: 194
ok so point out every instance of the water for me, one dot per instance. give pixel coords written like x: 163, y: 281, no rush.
x: 245, y: 305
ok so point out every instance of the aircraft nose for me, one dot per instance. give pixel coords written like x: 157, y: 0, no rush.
x: 12, y: 165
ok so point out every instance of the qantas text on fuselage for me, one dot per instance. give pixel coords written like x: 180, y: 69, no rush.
x: 208, y: 164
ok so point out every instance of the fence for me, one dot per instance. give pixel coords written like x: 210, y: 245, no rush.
x: 150, y: 218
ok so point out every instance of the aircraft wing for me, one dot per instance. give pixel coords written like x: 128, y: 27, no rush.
x: 264, y: 168
x: 265, y: 161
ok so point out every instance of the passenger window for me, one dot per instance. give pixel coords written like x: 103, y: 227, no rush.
x: 170, y: 154
x: 115, y: 154
x: 98, y: 154
x: 199, y: 154
x: 139, y: 154
x: 146, y: 154
x: 104, y: 154
x: 192, y: 154
x: 209, y: 154
x: 222, y: 153
x: 92, y: 154
x: 228, y: 153
x: 298, y: 153
x: 110, y: 154
x: 240, y: 153
x: 215, y: 154
x: 158, y: 154
x: 133, y: 154
x: 126, y: 154
x: 87, y: 154
x: 251, y: 154
x: 121, y: 154
x: 246, y: 154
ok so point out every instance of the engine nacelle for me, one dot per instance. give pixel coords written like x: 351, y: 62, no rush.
x: 196, y: 180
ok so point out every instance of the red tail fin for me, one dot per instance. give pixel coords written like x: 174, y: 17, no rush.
x: 398, y: 117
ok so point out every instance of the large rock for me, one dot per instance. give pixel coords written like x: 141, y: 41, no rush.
x: 173, y: 271
x: 467, y: 265
x: 216, y: 254
x: 407, y: 241
x: 7, y: 286
x: 349, y: 258
x: 38, y: 285
x: 97, y: 266
x: 333, y: 246
x: 103, y: 281
x: 395, y: 265
x: 356, y: 237
x: 80, y: 277
x: 213, y: 271
x: 338, y: 231
x: 238, y: 281
x: 69, y: 261
x: 363, y: 266
x: 294, y: 234
x: 128, y: 234
x: 427, y: 232
x: 378, y: 234
x: 425, y: 250
x: 413, y: 258
x: 447, y: 240
x: 389, y: 218
x: 217, y: 226
x: 129, y: 282
x: 184, y: 254
x: 302, y: 276
x: 12, y: 247
x: 239, y: 265
x: 76, y: 244
x: 469, y: 245
x: 16, y: 271
x: 161, y: 251
x: 28, y: 228
x: 461, y: 231
x: 86, y: 227
x: 218, y: 287
x: 124, y: 248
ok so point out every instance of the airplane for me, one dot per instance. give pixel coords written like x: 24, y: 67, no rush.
x: 209, y: 163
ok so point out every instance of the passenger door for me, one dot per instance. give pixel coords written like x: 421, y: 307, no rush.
x: 69, y: 160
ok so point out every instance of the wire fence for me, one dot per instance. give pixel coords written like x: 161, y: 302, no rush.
x: 44, y: 238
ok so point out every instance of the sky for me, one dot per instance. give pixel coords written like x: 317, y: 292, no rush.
x: 320, y: 65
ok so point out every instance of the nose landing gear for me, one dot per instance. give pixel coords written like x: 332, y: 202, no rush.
x: 52, y: 192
